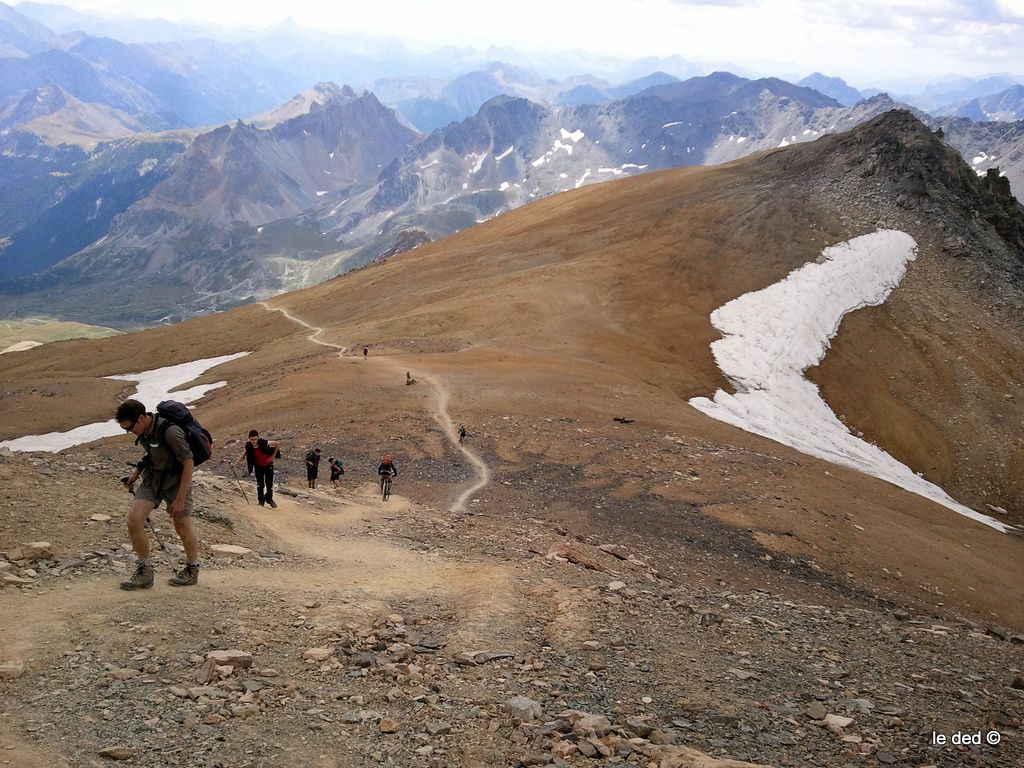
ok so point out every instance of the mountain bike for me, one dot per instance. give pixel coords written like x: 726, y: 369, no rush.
x: 385, y: 487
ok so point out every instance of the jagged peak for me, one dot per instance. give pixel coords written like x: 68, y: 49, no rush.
x: 322, y: 95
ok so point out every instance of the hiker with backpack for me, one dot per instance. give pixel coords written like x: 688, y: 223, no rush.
x: 312, y: 466
x: 164, y: 474
x: 337, y: 467
x: 259, y: 455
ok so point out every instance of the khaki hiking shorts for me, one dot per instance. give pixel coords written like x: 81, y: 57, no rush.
x: 161, y: 486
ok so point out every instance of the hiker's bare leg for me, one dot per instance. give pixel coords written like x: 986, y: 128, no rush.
x: 183, y: 527
x: 136, y: 521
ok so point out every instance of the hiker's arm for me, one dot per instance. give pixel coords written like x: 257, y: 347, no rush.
x: 177, y: 507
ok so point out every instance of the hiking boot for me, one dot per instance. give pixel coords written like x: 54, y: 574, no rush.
x: 141, y: 579
x: 186, y: 577
x: 272, y: 503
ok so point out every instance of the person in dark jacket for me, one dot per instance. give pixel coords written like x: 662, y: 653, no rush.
x: 312, y: 466
x: 259, y: 455
x: 164, y: 474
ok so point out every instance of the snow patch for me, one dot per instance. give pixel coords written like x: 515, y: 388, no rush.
x: 771, y: 336
x: 321, y: 192
x: 669, y: 125
x: 575, y: 135
x: 479, y: 162
x: 21, y: 346
x: 152, y: 387
x: 433, y: 162
x: 503, y: 155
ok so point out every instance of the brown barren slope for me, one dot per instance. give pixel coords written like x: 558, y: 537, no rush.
x: 538, y: 329
x: 595, y: 304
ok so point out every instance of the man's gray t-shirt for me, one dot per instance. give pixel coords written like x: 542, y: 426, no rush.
x: 161, y: 480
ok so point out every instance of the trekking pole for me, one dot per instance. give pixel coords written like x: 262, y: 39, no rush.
x: 244, y: 495
x: 155, y: 535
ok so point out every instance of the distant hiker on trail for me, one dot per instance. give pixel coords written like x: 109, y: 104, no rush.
x: 409, y: 379
x: 337, y: 468
x: 386, y: 468
x: 366, y: 351
x: 462, y: 433
x: 259, y: 455
x: 312, y: 466
x: 166, y: 475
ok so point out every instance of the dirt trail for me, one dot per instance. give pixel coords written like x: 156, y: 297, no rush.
x: 337, y: 554
x: 439, y: 409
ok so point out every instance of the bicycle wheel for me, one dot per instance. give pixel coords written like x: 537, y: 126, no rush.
x: 386, y: 489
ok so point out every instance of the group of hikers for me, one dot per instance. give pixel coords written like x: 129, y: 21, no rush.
x: 259, y: 454
x: 164, y: 474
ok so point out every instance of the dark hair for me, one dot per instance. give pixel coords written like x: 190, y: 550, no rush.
x: 316, y: 450
x: 129, y: 410
x: 253, y: 433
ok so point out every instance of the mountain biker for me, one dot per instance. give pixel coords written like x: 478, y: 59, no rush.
x: 386, y: 468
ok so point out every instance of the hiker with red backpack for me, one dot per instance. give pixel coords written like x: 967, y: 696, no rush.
x: 259, y: 455
x: 163, y: 474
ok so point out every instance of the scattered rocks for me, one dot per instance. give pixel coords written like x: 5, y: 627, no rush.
x: 31, y: 552
x: 317, y: 654
x: 523, y: 709
x: 11, y: 670
x: 232, y: 658
x: 118, y: 752
x: 564, y: 551
x: 816, y: 711
x: 231, y: 551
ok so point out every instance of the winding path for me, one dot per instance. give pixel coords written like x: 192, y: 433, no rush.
x: 439, y: 410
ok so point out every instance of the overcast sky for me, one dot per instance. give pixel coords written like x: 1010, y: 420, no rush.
x: 851, y: 38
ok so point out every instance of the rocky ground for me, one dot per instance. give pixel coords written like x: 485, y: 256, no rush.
x: 342, y: 631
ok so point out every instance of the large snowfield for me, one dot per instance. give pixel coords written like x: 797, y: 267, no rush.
x: 771, y: 336
x: 153, y: 386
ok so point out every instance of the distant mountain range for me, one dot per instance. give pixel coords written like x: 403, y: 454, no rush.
x: 1005, y: 106
x: 92, y: 194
